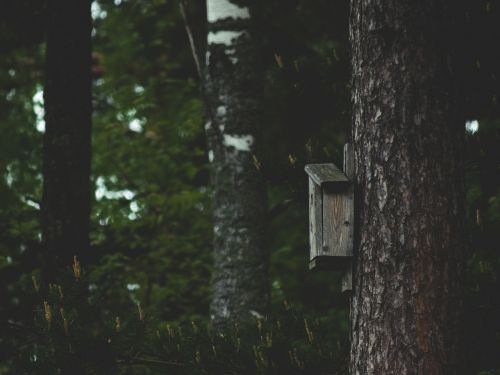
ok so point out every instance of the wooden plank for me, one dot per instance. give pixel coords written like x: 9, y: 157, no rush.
x: 349, y: 172
x: 349, y: 161
x: 349, y: 194
x: 315, y: 219
x: 325, y: 174
x: 337, y: 224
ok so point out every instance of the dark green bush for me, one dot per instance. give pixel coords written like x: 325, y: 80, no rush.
x: 72, y: 334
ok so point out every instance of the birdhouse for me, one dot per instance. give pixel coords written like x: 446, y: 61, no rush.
x: 331, y: 215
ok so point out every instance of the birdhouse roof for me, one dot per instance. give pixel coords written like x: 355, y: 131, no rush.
x: 325, y: 174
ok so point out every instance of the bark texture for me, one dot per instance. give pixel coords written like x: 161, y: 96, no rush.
x: 408, y: 135
x: 66, y: 164
x: 233, y: 86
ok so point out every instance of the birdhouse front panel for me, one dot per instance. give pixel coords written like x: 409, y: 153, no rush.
x: 331, y: 217
x: 338, y: 219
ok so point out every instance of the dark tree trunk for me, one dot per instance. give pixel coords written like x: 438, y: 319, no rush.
x: 240, y: 274
x: 408, y: 136
x: 66, y: 164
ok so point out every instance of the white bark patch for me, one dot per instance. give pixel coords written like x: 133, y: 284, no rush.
x: 239, y: 142
x: 222, y: 9
x: 208, y: 125
x: 210, y: 156
x: 223, y: 37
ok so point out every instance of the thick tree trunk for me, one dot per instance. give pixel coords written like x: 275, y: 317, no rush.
x: 66, y: 164
x: 240, y: 274
x: 408, y: 137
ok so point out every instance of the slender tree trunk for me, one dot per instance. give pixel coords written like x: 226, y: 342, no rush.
x: 408, y: 137
x: 240, y: 275
x: 66, y: 163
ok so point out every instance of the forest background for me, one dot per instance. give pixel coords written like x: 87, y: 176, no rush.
x: 151, y: 233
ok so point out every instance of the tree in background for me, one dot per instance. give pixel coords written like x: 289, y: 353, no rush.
x: 240, y: 279
x: 408, y: 133
x: 66, y: 156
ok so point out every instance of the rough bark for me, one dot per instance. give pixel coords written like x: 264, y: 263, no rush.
x: 232, y: 87
x: 66, y: 163
x: 408, y: 137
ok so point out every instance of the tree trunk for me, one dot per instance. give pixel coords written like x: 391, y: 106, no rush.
x: 240, y: 274
x: 66, y: 163
x: 409, y: 180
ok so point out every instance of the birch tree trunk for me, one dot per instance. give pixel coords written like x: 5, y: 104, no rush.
x: 66, y: 154
x: 240, y: 274
x: 408, y: 136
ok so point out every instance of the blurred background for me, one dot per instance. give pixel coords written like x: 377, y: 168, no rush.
x: 151, y: 233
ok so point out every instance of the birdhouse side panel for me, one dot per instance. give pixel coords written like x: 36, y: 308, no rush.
x: 315, y: 219
x: 338, y: 224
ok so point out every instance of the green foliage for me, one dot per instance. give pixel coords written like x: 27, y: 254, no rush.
x: 151, y: 226
x: 70, y: 334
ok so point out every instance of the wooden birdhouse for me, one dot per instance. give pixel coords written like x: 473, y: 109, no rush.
x: 331, y: 214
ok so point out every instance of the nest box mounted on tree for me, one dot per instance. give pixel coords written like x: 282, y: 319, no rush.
x: 331, y: 214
